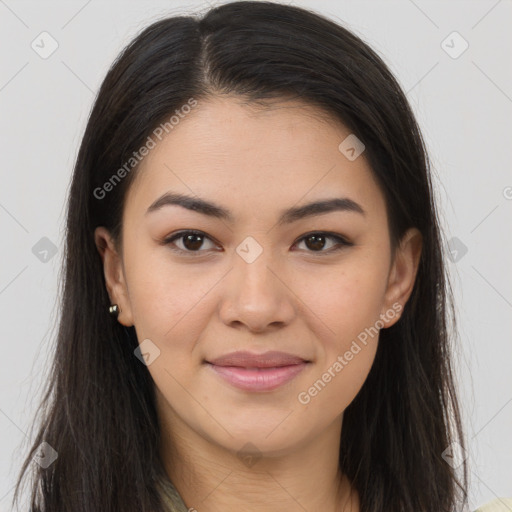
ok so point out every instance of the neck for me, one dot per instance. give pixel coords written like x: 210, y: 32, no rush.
x: 212, y: 478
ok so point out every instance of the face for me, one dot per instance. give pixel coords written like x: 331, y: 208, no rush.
x: 315, y: 284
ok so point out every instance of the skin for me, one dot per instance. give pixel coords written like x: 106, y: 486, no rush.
x: 295, y: 297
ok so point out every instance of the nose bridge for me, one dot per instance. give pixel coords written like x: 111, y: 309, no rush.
x: 255, y: 296
x: 251, y: 265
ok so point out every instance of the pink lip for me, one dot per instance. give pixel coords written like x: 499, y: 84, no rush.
x: 258, y: 379
x: 250, y: 360
x: 258, y: 372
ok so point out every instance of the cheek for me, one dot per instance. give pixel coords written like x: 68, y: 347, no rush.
x: 166, y: 299
x: 349, y: 307
x: 347, y: 300
x: 348, y: 303
x: 342, y: 378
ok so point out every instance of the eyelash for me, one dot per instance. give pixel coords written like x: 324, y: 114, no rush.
x: 341, y: 242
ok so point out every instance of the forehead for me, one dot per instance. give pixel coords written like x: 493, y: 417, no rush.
x: 245, y: 154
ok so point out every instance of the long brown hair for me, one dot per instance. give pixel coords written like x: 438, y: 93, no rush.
x: 98, y: 411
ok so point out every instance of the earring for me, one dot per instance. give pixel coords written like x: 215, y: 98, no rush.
x: 114, y: 310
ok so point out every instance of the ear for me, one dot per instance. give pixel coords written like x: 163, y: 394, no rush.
x: 402, y: 276
x: 114, y: 275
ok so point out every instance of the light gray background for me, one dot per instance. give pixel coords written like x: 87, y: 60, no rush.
x: 464, y: 108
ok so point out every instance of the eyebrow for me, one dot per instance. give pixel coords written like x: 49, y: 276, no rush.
x: 286, y: 217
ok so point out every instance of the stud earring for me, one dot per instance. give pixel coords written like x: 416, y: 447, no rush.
x: 114, y: 310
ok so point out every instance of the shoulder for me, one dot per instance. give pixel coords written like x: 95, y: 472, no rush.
x: 497, y: 505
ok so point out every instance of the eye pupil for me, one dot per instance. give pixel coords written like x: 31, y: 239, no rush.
x: 318, y: 241
x: 196, y: 240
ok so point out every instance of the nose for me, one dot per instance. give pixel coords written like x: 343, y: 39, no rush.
x: 255, y: 295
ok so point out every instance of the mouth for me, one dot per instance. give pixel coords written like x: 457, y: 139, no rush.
x: 258, y: 372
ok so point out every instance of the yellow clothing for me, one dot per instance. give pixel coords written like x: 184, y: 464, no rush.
x: 497, y: 505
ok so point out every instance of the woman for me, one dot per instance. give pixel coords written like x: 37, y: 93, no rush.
x: 252, y: 203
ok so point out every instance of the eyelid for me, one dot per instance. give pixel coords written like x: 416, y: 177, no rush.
x: 341, y: 241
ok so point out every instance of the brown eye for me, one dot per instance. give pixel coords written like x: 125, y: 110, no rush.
x: 316, y: 242
x: 191, y: 241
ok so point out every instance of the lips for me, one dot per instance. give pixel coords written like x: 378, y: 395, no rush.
x: 246, y: 359
x: 257, y: 372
